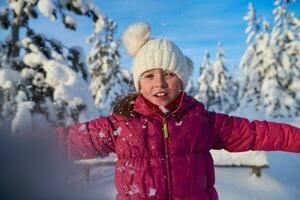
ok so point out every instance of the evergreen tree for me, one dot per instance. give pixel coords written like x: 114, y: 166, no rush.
x: 252, y: 70
x: 205, y: 92
x: 268, y: 68
x: 109, y: 80
x: 282, y: 72
x: 225, y: 89
x: 251, y: 59
x: 43, y: 73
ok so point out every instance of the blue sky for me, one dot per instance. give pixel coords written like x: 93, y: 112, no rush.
x: 194, y: 25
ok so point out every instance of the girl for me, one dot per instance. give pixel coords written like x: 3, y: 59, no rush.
x: 162, y: 137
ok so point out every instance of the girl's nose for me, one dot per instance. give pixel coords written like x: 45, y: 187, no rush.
x: 160, y: 81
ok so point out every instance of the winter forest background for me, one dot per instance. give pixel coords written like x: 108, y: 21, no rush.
x: 44, y: 80
x: 46, y: 83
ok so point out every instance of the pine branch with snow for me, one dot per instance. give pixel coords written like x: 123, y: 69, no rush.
x: 42, y: 72
x: 108, y: 79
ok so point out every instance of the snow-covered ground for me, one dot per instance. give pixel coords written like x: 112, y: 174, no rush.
x: 280, y: 181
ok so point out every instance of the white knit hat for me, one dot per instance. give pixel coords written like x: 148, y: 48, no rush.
x: 153, y: 53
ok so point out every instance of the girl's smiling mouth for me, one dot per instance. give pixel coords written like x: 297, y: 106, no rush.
x: 160, y: 94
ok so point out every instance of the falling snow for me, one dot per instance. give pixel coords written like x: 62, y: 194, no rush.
x: 118, y: 131
x: 101, y: 134
x: 82, y: 127
x: 133, y: 190
x: 131, y: 172
x: 121, y: 169
x: 152, y: 192
x: 163, y: 109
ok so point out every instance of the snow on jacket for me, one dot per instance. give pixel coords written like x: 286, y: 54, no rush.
x: 168, y: 157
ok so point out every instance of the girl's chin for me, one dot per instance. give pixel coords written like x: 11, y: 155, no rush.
x: 161, y: 102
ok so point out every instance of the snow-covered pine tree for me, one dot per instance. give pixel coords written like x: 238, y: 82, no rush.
x: 224, y: 87
x: 269, y: 73
x: 205, y: 92
x: 42, y: 79
x: 249, y: 75
x: 8, y: 78
x: 292, y: 57
x: 282, y: 72
x: 109, y: 80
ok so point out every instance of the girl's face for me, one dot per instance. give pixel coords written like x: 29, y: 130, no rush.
x: 159, y: 86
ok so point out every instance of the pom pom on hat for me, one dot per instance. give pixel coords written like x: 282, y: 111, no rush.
x: 135, y: 36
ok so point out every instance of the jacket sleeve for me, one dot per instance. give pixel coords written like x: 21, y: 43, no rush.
x: 89, y: 139
x: 236, y: 134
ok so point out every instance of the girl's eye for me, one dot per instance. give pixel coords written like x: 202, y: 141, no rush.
x: 169, y: 74
x: 148, y: 76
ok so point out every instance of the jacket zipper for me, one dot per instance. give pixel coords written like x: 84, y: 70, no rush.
x: 168, y: 167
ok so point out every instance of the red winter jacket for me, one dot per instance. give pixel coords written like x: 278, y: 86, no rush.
x: 168, y: 157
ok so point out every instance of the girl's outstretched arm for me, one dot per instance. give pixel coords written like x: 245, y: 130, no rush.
x: 236, y: 134
x: 89, y: 139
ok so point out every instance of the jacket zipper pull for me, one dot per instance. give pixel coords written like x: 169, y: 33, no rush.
x: 166, y: 132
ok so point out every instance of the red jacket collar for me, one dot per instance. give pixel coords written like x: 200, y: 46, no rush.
x: 169, y: 108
